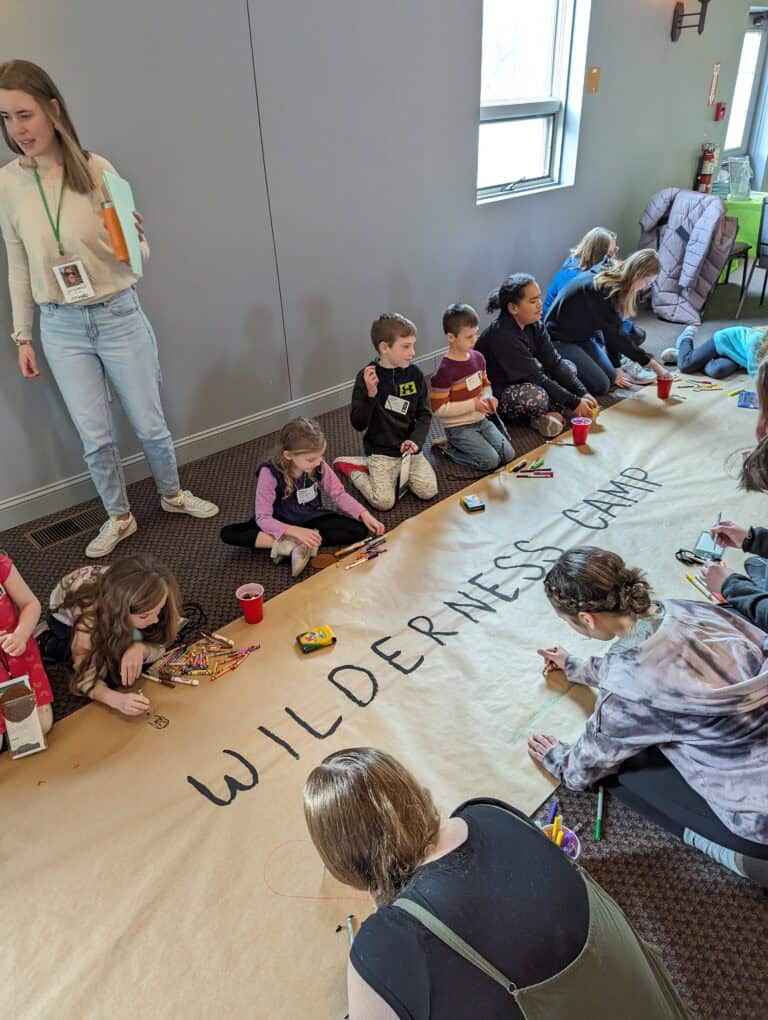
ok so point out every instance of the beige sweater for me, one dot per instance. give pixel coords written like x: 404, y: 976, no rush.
x: 32, y: 248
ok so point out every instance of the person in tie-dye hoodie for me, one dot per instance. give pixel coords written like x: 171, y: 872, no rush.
x: 687, y: 679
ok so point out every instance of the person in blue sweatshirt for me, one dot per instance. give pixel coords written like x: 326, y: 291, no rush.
x: 726, y: 352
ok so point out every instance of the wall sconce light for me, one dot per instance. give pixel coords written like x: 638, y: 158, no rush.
x: 678, y: 16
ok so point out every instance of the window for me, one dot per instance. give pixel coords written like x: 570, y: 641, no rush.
x: 527, y: 62
x: 745, y: 92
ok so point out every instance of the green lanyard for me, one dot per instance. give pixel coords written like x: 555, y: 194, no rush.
x: 55, y: 227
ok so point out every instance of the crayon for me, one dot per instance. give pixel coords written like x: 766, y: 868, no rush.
x: 559, y: 839
x: 735, y: 393
x: 599, y: 818
x: 700, y: 587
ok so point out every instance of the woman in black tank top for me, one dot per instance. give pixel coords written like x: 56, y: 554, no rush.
x: 486, y: 872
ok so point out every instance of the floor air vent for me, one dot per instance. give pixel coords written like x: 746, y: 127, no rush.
x: 69, y: 527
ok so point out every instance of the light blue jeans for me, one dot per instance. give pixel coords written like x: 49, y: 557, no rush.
x: 90, y: 350
x: 479, y: 445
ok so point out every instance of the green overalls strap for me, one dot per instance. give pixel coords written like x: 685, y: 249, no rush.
x: 616, y: 976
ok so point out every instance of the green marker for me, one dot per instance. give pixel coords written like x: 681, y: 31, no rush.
x: 599, y: 819
x: 538, y: 464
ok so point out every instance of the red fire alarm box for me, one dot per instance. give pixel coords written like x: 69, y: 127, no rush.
x: 720, y: 109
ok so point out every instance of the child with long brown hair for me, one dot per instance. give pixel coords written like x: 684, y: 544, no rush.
x: 680, y: 727
x: 289, y: 517
x: 599, y: 302
x: 114, y: 620
x: 19, y: 654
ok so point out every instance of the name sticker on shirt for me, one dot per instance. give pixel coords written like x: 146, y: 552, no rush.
x: 473, y: 381
x: 73, y: 281
x: 307, y: 494
x: 393, y: 403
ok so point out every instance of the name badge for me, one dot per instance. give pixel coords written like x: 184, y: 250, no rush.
x: 73, y: 281
x: 397, y: 405
x: 473, y: 382
x: 307, y: 494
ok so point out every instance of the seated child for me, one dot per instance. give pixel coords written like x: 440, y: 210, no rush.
x: 596, y: 247
x: 110, y: 621
x: 727, y: 351
x: 390, y: 406
x: 19, y: 654
x: 289, y: 519
x: 687, y: 683
x: 529, y: 378
x: 462, y: 397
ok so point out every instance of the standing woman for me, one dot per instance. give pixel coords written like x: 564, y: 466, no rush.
x: 94, y: 333
x: 598, y: 303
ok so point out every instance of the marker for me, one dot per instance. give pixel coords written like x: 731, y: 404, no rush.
x: 538, y: 464
x: 350, y: 929
x: 599, y: 818
x: 700, y: 587
x: 553, y: 811
x: 517, y: 467
x: 537, y: 474
x: 559, y: 838
x: 357, y: 545
x: 735, y: 393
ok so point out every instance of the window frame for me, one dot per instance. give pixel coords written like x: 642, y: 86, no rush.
x: 553, y: 108
x: 744, y: 147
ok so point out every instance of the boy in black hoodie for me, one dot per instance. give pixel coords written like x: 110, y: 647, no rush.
x: 390, y: 405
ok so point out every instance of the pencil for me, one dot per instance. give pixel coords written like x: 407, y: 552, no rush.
x: 599, y: 818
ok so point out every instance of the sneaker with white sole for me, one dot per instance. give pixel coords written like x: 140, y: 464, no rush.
x: 669, y: 356
x: 549, y: 425
x: 185, y: 503
x: 280, y: 549
x: 300, y: 556
x: 112, y: 532
x: 637, y: 374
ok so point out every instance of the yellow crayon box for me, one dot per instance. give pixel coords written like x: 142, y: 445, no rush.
x: 311, y: 640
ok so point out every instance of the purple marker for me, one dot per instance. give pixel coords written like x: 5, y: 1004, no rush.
x: 553, y: 811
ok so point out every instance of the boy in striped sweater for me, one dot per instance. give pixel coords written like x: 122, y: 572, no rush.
x: 461, y: 397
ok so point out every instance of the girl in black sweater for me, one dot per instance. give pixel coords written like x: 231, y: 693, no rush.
x: 592, y: 308
x: 529, y: 378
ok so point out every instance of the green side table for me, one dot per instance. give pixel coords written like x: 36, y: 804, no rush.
x: 748, y: 212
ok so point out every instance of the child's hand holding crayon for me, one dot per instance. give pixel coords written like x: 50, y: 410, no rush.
x: 728, y: 534
x: 554, y: 658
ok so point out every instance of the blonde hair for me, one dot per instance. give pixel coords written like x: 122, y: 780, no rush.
x: 619, y: 279
x: 302, y: 435
x: 24, y: 76
x: 593, y: 247
x: 370, y: 820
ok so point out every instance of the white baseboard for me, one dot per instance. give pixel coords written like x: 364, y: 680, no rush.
x: 68, y: 492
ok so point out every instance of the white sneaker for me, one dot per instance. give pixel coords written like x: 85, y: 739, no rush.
x: 185, y: 503
x: 300, y: 556
x: 112, y: 531
x: 280, y: 549
x: 637, y: 374
x: 669, y: 356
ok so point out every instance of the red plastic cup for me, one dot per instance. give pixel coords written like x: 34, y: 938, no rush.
x: 580, y: 430
x: 663, y: 388
x: 251, y: 599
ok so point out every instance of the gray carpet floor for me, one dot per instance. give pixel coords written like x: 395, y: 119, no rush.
x: 711, y: 926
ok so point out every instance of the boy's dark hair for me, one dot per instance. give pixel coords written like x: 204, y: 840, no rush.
x: 754, y: 470
x: 456, y: 317
x: 390, y: 327
x: 510, y: 292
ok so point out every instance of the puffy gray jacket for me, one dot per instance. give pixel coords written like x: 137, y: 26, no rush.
x: 693, y: 237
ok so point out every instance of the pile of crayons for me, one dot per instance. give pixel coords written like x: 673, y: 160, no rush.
x: 210, y: 656
x: 535, y: 470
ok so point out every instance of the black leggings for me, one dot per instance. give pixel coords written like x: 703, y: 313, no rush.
x: 335, y: 529
x: 653, y: 787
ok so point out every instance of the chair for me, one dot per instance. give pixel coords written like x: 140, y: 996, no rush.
x: 740, y: 250
x: 760, y: 262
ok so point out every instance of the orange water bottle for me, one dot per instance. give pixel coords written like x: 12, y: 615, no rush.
x: 115, y: 231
